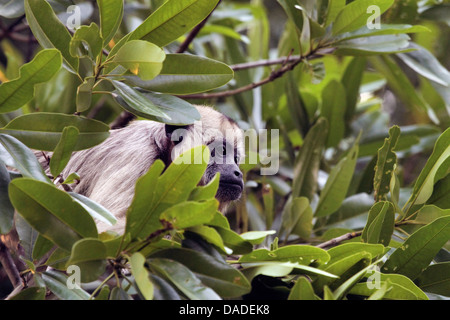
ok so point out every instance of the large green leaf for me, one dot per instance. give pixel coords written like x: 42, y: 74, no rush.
x: 141, y: 58
x: 15, y: 93
x: 307, y: 163
x: 111, y: 13
x: 356, y: 15
x: 436, y: 279
x: 52, y: 212
x: 334, y: 103
x: 172, y: 20
x: 90, y: 256
x: 186, y: 74
x: 223, y: 278
x: 386, y: 163
x: 43, y: 131
x: 141, y: 275
x: 96, y: 210
x: 301, y: 254
x: 302, y: 290
x: 7, y: 214
x: 419, y: 249
x: 57, y: 283
x: 135, y: 102
x: 156, y: 194
x: 338, y: 181
x: 380, y: 223
x: 155, y: 106
x: 385, y: 29
x: 63, y: 150
x: 375, y: 45
x: 297, y: 218
x: 86, y: 42
x: 49, y: 31
x: 399, y: 287
x: 183, y: 278
x: 351, y: 80
x: 435, y: 169
x: 190, y: 213
x: 15, y: 154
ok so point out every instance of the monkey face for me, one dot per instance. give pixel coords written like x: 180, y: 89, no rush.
x: 224, y: 159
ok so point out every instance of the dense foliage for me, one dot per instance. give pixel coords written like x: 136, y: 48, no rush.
x: 358, y: 208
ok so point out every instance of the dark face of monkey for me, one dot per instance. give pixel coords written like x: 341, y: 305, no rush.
x: 224, y: 160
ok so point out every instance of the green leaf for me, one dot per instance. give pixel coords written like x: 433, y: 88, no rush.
x: 401, y: 287
x: 15, y: 93
x: 173, y: 110
x: 135, y: 102
x: 351, y: 79
x: 334, y: 7
x: 190, y: 213
x: 7, y: 214
x: 141, y: 275
x: 307, y: 163
x: 375, y: 45
x: 49, y: 31
x: 333, y: 109
x: 380, y: 223
x: 440, y: 193
x: 41, y: 246
x: 345, y: 249
x: 434, y: 170
x: 297, y: 218
x: 183, y: 278
x: 96, y: 210
x: 302, y: 254
x: 426, y: 64
x: 186, y: 74
x: 141, y: 58
x: 385, y: 29
x: 212, y: 236
x: 386, y: 163
x: 57, y: 283
x: 218, y: 275
x: 63, y: 150
x: 338, y: 181
x: 256, y: 237
x: 43, y: 131
x: 155, y: 194
x: 84, y: 94
x: 436, y: 279
x: 86, y: 42
x: 302, y: 290
x: 32, y: 293
x: 15, y: 154
x: 344, y: 268
x: 206, y: 192
x: 111, y: 13
x: 173, y: 19
x: 234, y: 241
x: 90, y: 256
x: 356, y: 15
x: 419, y: 249
x: 51, y: 212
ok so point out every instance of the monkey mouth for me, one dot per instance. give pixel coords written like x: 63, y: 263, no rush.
x: 229, y: 190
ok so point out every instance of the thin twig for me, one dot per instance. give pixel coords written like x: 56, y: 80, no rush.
x: 191, y: 36
x: 336, y: 241
x: 293, y: 62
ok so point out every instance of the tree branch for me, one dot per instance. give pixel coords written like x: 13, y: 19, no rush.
x: 289, y: 63
x: 183, y: 47
x: 336, y: 241
x: 9, y: 266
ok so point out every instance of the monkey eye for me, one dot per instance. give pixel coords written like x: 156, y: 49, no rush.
x: 180, y: 138
x: 236, y: 159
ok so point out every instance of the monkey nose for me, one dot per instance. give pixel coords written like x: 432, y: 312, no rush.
x: 238, y: 174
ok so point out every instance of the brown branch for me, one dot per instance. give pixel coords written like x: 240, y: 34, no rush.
x: 288, y: 64
x: 122, y: 120
x: 336, y: 241
x: 9, y: 266
x: 183, y: 47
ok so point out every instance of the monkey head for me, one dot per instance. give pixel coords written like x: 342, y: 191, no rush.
x: 224, y: 140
